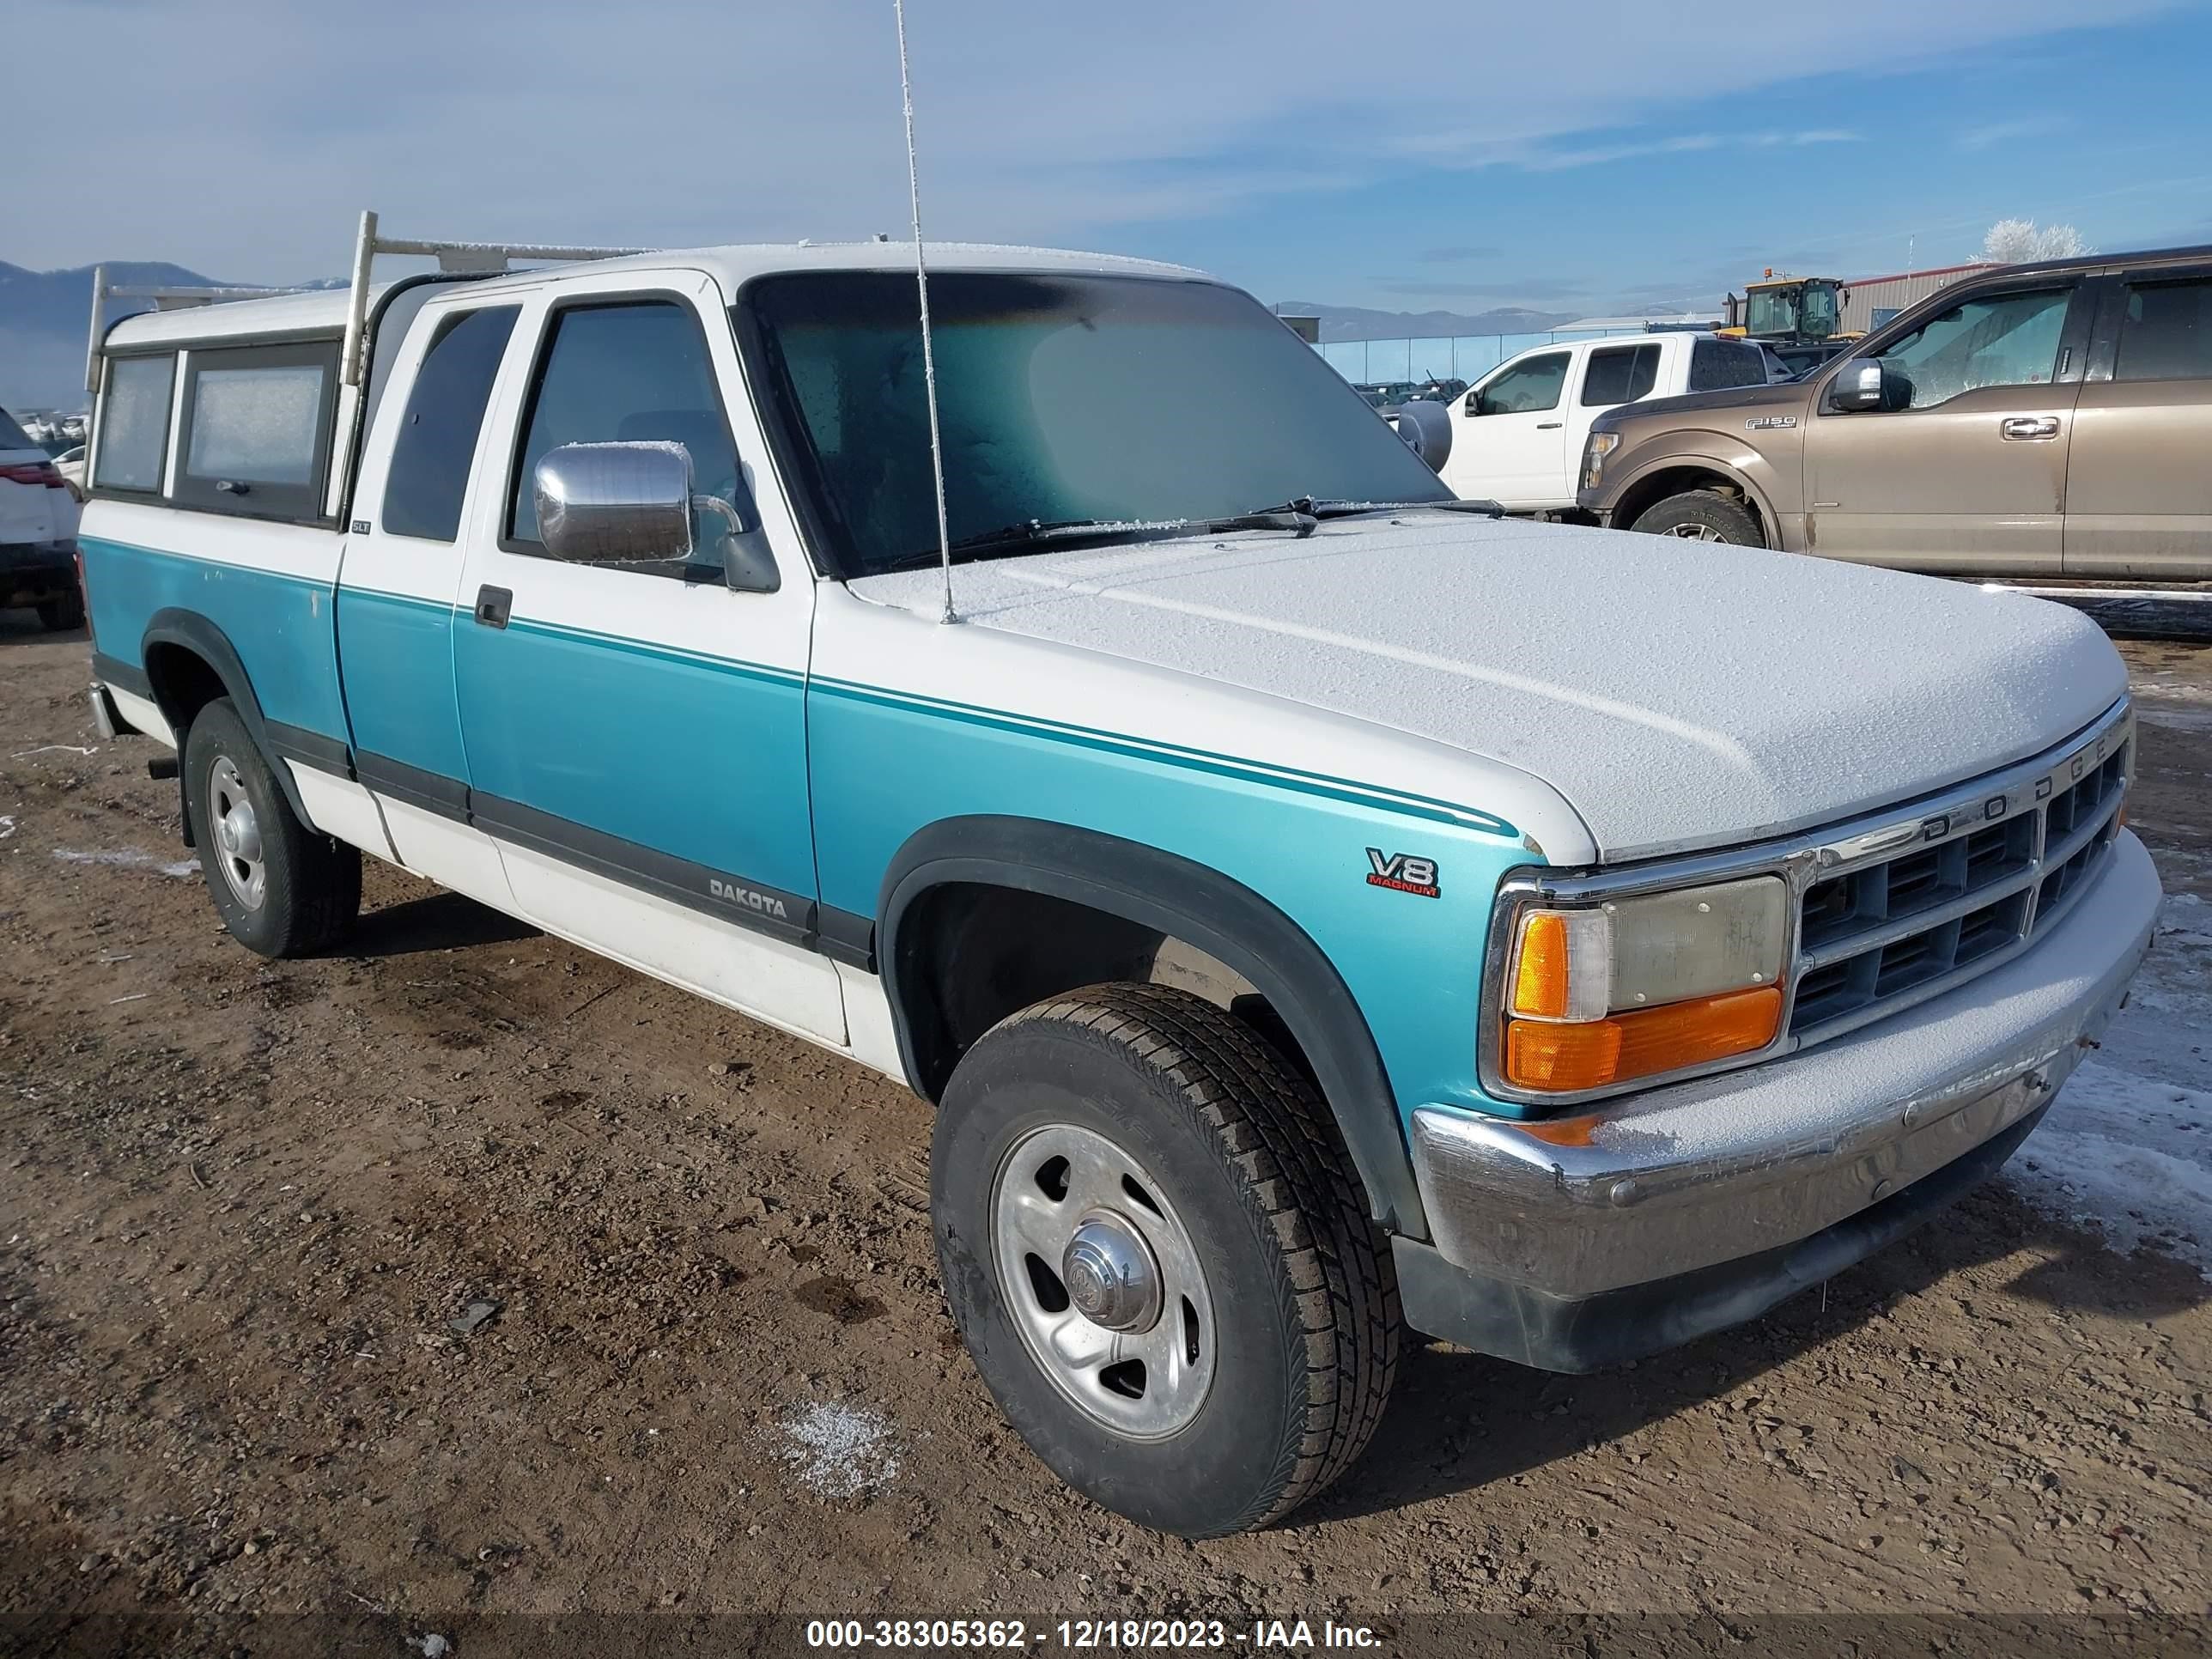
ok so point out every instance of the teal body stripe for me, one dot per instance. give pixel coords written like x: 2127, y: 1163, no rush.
x: 1226, y: 766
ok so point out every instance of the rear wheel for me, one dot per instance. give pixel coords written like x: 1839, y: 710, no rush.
x: 1156, y: 1252
x: 1701, y: 515
x: 62, y: 612
x: 282, y: 889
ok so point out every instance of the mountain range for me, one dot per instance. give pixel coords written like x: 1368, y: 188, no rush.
x: 43, y: 315
x: 43, y: 318
x: 1359, y: 323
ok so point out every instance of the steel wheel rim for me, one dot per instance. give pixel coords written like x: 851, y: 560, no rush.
x: 1693, y: 532
x: 1063, y: 1201
x: 236, y: 829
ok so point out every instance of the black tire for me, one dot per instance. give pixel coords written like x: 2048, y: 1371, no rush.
x: 309, y: 891
x: 1723, y: 518
x: 1304, y: 1298
x: 60, y: 614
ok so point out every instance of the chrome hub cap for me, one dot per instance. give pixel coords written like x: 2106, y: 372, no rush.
x: 1110, y: 1276
x: 1103, y: 1281
x: 237, y: 834
x: 1693, y: 532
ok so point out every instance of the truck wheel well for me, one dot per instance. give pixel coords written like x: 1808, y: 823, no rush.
x: 183, y: 682
x: 977, y: 953
x: 1648, y: 491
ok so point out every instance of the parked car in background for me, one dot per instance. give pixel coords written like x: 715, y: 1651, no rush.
x: 1387, y: 397
x: 2032, y: 420
x: 70, y: 464
x: 37, y: 520
x: 1518, y: 435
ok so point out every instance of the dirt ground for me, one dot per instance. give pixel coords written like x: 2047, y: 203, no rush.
x: 424, y: 1298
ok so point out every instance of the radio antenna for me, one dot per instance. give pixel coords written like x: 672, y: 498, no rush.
x: 929, y: 351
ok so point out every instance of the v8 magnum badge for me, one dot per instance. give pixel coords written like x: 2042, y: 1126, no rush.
x: 1402, y: 873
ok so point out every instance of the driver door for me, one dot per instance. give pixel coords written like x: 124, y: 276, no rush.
x: 1510, y: 445
x: 635, y: 733
x: 1969, y: 476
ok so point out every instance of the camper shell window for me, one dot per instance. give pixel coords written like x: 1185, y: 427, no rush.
x: 254, y: 436
x: 134, y: 424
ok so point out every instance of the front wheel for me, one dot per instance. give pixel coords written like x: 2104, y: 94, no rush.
x: 1701, y: 515
x: 1156, y: 1250
x: 282, y: 889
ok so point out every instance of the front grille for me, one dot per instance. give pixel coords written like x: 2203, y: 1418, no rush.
x: 1957, y: 890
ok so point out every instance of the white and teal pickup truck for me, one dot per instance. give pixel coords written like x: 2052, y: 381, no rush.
x: 1316, y: 908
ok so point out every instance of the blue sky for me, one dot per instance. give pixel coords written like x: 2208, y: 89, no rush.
x: 1460, y: 155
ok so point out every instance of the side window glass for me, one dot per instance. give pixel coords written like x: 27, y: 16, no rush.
x: 1998, y: 339
x: 1620, y: 374
x: 437, y: 440
x: 1724, y: 365
x: 1526, y: 387
x: 626, y: 373
x: 134, y: 423
x: 2166, y: 332
x: 256, y: 429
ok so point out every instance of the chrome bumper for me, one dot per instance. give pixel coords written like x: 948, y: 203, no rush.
x: 1652, y: 1186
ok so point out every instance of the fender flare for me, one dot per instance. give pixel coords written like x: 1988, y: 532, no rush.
x: 1167, y: 894
x: 196, y: 634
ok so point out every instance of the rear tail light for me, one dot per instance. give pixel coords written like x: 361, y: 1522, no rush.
x: 35, y: 472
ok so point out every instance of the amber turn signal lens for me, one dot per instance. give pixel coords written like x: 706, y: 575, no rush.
x: 1560, y: 1058
x: 1539, y: 983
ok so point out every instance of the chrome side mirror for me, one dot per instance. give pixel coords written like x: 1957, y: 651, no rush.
x: 632, y: 503
x: 626, y: 503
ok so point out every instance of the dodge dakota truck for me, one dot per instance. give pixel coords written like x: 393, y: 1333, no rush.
x: 1316, y: 908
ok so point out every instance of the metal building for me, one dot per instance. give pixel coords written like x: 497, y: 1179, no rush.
x: 1870, y: 301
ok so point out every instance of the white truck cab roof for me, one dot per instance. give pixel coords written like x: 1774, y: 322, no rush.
x: 324, y: 310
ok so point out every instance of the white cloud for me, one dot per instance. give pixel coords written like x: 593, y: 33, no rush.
x: 240, y: 135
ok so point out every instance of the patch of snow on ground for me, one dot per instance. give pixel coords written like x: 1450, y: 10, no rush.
x: 130, y: 859
x: 2126, y: 1150
x: 839, y: 1451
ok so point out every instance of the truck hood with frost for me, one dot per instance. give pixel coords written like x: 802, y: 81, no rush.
x: 1677, y: 694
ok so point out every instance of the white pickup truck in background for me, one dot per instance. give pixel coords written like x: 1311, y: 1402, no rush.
x: 1518, y: 435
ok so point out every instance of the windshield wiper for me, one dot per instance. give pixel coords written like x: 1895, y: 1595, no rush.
x: 1316, y: 509
x: 1037, y: 532
x: 1029, y: 532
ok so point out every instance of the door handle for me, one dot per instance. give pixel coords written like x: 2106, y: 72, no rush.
x: 1549, y: 425
x: 493, y: 605
x: 2019, y: 429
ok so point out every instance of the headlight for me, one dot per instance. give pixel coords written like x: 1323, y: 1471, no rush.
x: 1601, y: 444
x: 1625, y: 988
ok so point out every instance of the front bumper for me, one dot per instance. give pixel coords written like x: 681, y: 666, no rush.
x: 1576, y: 1242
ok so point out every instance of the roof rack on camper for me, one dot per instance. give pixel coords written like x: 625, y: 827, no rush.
x: 454, y: 258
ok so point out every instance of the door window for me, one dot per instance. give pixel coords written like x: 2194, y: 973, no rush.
x: 1620, y: 374
x: 1724, y: 365
x: 1992, y: 340
x: 2166, y: 332
x: 630, y: 372
x: 1524, y: 388
x: 437, y: 440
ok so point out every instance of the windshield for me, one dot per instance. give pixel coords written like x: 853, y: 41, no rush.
x: 1061, y: 398
x: 1772, y: 310
x: 11, y: 436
